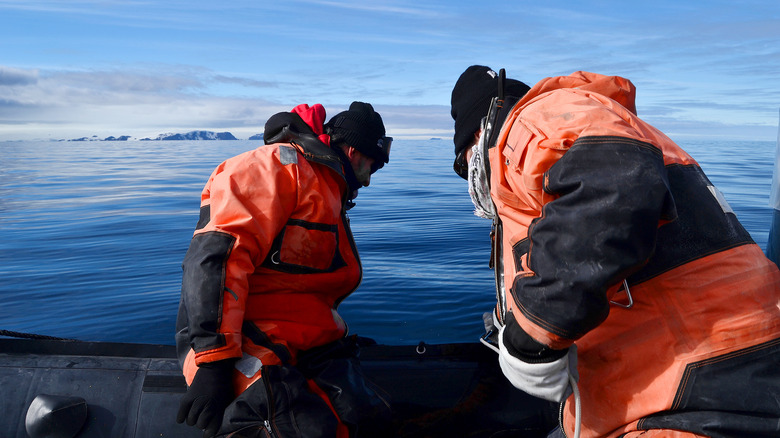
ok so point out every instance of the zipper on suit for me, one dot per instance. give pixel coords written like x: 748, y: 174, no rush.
x: 269, y: 426
x: 345, y: 220
x: 560, y: 418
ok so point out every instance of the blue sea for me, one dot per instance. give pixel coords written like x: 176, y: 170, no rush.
x: 92, y: 235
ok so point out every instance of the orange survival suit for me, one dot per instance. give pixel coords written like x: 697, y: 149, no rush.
x: 588, y: 196
x: 271, y: 258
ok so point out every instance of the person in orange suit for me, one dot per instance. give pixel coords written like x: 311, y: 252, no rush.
x: 622, y: 272
x: 262, y: 345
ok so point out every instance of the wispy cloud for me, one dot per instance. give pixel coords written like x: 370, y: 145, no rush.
x: 406, y: 9
x: 246, y: 82
x: 14, y: 76
x: 122, y: 103
x: 197, y: 63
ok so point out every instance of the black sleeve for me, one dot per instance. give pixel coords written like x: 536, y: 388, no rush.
x: 203, y: 287
x: 611, y: 194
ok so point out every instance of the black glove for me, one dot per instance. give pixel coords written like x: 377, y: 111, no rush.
x: 206, y: 399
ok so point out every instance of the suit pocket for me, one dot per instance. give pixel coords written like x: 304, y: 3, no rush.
x: 305, y: 247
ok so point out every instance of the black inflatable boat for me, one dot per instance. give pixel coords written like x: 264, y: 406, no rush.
x: 77, y: 389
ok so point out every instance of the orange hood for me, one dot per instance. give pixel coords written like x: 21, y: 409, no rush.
x: 615, y: 87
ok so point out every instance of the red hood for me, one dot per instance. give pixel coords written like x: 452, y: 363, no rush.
x: 313, y: 116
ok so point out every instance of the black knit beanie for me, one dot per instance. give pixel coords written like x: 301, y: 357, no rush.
x: 471, y: 97
x: 360, y: 127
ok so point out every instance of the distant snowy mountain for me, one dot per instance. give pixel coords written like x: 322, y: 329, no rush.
x: 256, y: 137
x: 197, y: 135
x: 192, y: 135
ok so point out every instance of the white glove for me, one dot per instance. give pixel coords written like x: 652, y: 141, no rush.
x: 549, y: 381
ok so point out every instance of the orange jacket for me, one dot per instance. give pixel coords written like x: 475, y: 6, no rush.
x: 270, y: 261
x: 590, y: 195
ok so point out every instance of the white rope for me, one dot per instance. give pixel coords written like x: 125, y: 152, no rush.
x: 489, y: 345
x: 577, y: 406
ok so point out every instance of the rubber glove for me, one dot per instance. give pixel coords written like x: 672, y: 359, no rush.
x: 548, y: 380
x: 206, y: 399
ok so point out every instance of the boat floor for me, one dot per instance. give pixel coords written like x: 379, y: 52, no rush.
x: 133, y: 390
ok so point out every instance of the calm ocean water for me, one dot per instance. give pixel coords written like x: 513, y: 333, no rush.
x: 92, y: 235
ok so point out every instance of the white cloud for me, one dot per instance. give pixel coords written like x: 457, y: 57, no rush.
x: 232, y: 64
x: 379, y: 7
x: 14, y: 76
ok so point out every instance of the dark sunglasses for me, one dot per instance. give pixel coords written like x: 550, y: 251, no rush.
x: 382, y: 144
x: 461, y: 166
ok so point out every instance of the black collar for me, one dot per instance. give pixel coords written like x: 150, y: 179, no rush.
x: 290, y: 128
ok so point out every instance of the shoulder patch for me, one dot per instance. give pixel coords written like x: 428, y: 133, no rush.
x: 288, y: 155
x: 718, y: 195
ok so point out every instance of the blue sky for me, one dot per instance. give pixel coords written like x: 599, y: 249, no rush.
x: 132, y: 67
